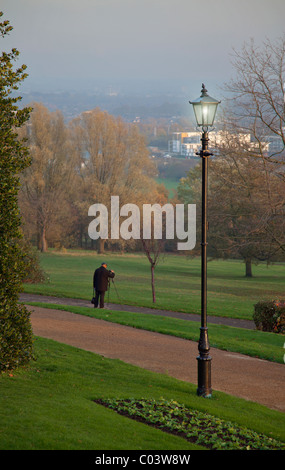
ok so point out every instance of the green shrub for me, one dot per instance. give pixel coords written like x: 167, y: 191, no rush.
x: 270, y: 316
x: 16, y: 336
x: 33, y: 272
x: 15, y: 327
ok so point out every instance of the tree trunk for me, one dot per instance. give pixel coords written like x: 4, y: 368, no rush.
x: 152, y: 283
x: 44, y: 245
x: 39, y: 236
x: 248, y: 270
x: 101, y: 246
x: 39, y: 244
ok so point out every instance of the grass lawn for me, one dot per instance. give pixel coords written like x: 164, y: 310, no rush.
x: 177, y: 279
x: 50, y: 404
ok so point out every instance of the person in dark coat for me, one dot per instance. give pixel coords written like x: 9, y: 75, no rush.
x: 100, y: 283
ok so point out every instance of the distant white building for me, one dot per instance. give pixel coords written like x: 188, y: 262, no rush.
x: 223, y: 138
x: 189, y: 143
x: 185, y: 143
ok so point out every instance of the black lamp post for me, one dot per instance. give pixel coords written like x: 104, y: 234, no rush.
x: 205, y: 109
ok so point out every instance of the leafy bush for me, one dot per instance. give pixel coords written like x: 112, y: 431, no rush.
x: 33, y: 271
x: 193, y: 425
x: 270, y: 316
x: 15, y: 327
x: 16, y: 336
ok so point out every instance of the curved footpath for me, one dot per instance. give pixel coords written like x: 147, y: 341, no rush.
x: 239, y: 375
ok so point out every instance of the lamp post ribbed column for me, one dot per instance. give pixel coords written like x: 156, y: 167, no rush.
x: 204, y: 359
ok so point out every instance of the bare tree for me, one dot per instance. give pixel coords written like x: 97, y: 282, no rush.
x: 153, y: 249
x: 258, y: 97
x: 247, y: 194
x: 246, y: 210
x: 246, y: 203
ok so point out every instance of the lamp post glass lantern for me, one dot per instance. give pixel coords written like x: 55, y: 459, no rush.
x: 205, y: 108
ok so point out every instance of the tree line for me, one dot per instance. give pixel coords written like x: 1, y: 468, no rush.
x: 98, y: 155
x: 76, y: 165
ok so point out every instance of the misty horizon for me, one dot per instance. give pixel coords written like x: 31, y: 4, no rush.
x: 137, y: 46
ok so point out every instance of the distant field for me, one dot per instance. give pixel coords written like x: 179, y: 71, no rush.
x: 177, y: 280
x: 170, y: 184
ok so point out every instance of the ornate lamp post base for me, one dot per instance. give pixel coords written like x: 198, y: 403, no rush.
x: 204, y: 365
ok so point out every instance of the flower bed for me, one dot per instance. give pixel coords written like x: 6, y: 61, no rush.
x: 193, y: 425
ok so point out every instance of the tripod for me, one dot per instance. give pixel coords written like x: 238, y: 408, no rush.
x: 109, y: 286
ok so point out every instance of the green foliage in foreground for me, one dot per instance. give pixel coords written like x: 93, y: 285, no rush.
x: 253, y: 343
x: 50, y: 404
x: 193, y: 425
x: 177, y: 281
x: 15, y: 328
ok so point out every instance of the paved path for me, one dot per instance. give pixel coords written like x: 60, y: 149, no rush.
x: 239, y: 375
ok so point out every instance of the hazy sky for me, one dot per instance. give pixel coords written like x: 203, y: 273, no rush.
x: 187, y: 40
